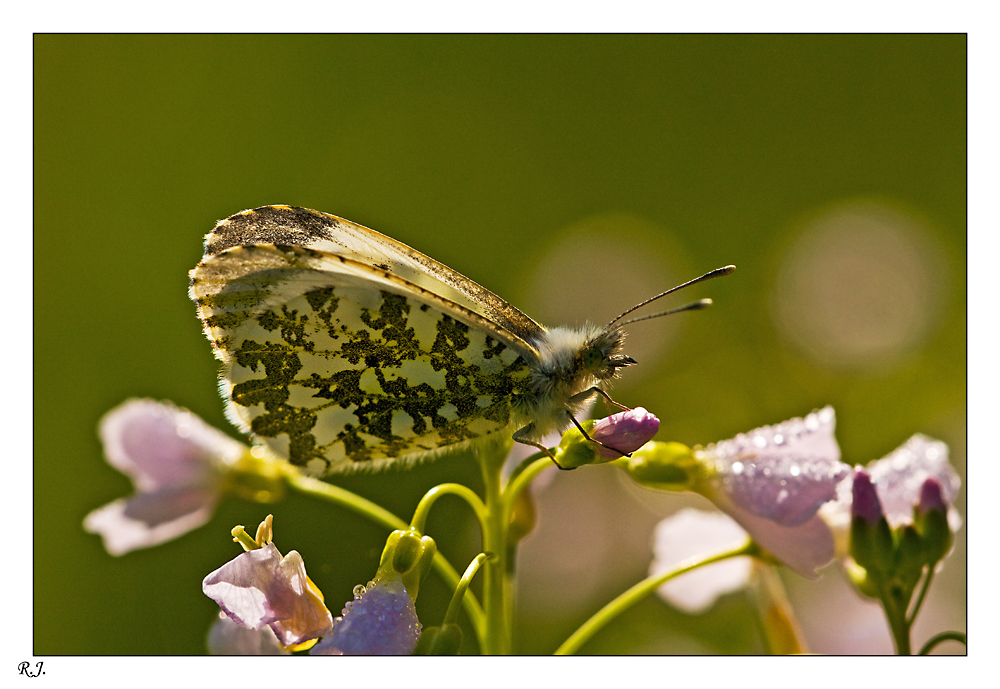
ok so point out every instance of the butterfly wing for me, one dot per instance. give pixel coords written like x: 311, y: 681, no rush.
x: 335, y: 363
x: 288, y: 225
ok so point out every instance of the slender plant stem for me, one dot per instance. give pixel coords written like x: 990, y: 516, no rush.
x: 452, y: 613
x: 522, y: 481
x: 635, y: 594
x: 920, y: 596
x: 943, y: 636
x: 430, y: 497
x: 779, y: 628
x: 895, y: 613
x: 495, y: 587
x: 384, y: 517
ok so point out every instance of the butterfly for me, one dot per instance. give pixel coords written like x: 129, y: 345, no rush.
x: 345, y: 349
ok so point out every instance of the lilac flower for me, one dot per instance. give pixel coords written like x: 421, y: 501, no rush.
x: 260, y: 588
x: 773, y: 480
x: 690, y: 533
x: 381, y: 620
x: 625, y: 431
x: 900, y: 476
x: 177, y: 463
x: 899, y: 480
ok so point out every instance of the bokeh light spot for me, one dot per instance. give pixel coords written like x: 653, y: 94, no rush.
x: 860, y: 287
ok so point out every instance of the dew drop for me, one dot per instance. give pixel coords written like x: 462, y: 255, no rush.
x: 359, y: 591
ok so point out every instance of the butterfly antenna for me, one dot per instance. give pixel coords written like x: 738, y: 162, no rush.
x: 718, y: 272
x: 693, y: 306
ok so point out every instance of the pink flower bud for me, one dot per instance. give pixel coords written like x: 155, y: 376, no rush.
x: 625, y: 431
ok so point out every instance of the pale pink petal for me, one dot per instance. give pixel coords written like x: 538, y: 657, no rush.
x: 693, y: 533
x: 226, y: 638
x: 784, y: 472
x: 898, y: 478
x: 259, y: 588
x: 804, y: 548
x: 149, y: 519
x: 158, y: 444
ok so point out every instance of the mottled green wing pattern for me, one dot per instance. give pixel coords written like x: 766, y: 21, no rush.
x: 335, y: 371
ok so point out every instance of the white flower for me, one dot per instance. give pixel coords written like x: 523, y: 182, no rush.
x: 690, y: 533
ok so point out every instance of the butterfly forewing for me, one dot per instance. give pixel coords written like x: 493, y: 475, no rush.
x: 335, y: 364
x: 287, y: 225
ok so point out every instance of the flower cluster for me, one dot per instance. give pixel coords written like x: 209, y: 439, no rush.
x: 784, y: 495
x: 270, y: 605
x: 784, y: 487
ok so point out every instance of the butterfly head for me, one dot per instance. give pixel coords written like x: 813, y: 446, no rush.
x: 601, y: 356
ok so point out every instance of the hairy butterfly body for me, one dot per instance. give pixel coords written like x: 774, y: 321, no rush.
x: 343, y: 348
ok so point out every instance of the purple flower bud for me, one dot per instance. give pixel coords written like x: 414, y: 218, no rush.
x: 625, y: 431
x: 932, y: 497
x: 865, y: 502
x: 381, y: 621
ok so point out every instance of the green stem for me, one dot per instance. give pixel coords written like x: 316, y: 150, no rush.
x: 895, y: 612
x: 920, y: 596
x: 637, y: 593
x: 452, y: 613
x: 943, y: 636
x: 779, y: 628
x: 495, y: 585
x: 521, y: 481
x: 384, y: 517
x: 430, y: 497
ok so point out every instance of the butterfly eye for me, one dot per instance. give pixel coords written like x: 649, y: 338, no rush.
x: 592, y: 358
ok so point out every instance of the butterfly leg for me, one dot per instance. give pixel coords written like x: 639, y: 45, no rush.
x: 587, y: 394
x: 585, y: 435
x: 519, y: 437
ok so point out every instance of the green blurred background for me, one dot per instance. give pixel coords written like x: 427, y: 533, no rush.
x: 573, y: 176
